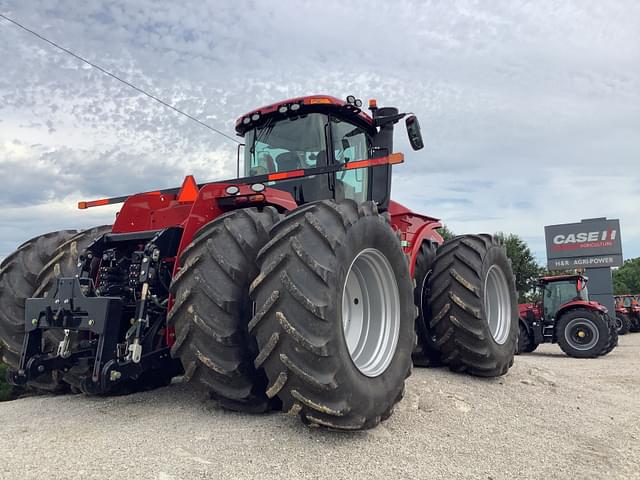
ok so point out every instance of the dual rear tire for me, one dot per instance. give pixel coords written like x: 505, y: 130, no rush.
x: 334, y: 319
x: 473, y: 306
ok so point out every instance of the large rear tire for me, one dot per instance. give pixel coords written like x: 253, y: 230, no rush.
x: 583, y: 333
x: 19, y: 274
x: 334, y: 315
x: 212, y: 308
x: 474, y: 305
x: 425, y: 354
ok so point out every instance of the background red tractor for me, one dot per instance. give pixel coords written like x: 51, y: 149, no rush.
x: 628, y: 313
x: 299, y: 286
x: 564, y: 315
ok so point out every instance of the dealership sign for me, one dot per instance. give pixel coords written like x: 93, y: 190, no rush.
x: 591, y: 243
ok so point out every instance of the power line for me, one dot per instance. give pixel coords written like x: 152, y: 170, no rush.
x: 114, y: 76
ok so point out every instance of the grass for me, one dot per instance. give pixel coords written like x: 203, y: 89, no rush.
x: 7, y: 392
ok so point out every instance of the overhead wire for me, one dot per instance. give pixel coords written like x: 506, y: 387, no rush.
x: 116, y: 77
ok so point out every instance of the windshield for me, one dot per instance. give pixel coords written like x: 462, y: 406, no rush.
x: 557, y: 294
x: 287, y: 144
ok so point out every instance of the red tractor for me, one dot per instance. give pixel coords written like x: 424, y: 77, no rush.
x: 300, y: 286
x: 627, y: 313
x: 566, y: 316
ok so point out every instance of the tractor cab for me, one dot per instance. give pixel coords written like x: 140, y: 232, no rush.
x: 288, y: 139
x: 560, y: 290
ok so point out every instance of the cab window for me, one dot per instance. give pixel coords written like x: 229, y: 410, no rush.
x: 288, y: 144
x: 350, y: 144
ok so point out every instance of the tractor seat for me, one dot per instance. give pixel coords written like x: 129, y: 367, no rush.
x: 288, y: 161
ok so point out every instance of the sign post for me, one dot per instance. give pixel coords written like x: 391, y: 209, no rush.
x: 594, y: 245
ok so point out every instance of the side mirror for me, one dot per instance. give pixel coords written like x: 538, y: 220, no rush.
x: 413, y: 130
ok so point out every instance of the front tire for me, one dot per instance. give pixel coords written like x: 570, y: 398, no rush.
x: 474, y: 305
x: 525, y: 344
x: 583, y: 333
x: 623, y: 324
x: 331, y: 273
x: 212, y: 308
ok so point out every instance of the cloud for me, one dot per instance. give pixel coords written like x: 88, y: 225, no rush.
x: 529, y: 111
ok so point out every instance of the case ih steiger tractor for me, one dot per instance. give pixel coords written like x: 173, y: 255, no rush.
x: 300, y: 286
x: 566, y: 316
x: 627, y: 313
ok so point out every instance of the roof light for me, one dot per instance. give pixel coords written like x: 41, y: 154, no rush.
x: 255, y: 117
x: 246, y: 120
x: 232, y: 190
x: 351, y: 99
x: 258, y: 187
x: 283, y: 109
x: 314, y: 101
x: 295, y: 106
x: 358, y: 103
x: 373, y: 103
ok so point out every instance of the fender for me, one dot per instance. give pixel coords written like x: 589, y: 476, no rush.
x: 415, y: 229
x: 590, y: 305
x: 213, y: 201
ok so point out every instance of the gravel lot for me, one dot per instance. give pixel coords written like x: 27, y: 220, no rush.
x: 550, y: 417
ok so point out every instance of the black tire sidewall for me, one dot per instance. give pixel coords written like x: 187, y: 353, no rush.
x: 374, y: 232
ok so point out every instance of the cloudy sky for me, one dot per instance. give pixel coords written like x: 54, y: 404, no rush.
x: 530, y: 110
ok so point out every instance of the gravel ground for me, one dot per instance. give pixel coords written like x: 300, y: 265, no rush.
x: 550, y: 417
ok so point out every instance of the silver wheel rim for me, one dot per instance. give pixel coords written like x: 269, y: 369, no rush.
x: 497, y: 304
x: 371, y: 312
x: 577, y: 325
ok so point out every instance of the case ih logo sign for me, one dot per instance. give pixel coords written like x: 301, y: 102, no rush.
x: 574, y: 241
x: 590, y: 243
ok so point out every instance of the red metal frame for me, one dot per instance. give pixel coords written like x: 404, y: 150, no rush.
x: 414, y: 229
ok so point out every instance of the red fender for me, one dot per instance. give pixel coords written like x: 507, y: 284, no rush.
x: 414, y: 229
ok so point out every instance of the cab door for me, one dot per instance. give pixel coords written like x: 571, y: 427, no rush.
x: 350, y: 144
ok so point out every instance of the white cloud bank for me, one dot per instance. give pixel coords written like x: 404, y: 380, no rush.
x: 531, y: 111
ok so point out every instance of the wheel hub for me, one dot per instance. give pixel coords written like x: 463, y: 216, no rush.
x: 582, y: 334
x: 371, y: 312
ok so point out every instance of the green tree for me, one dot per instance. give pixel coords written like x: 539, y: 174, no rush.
x: 626, y: 279
x: 525, y: 267
x: 446, y: 233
